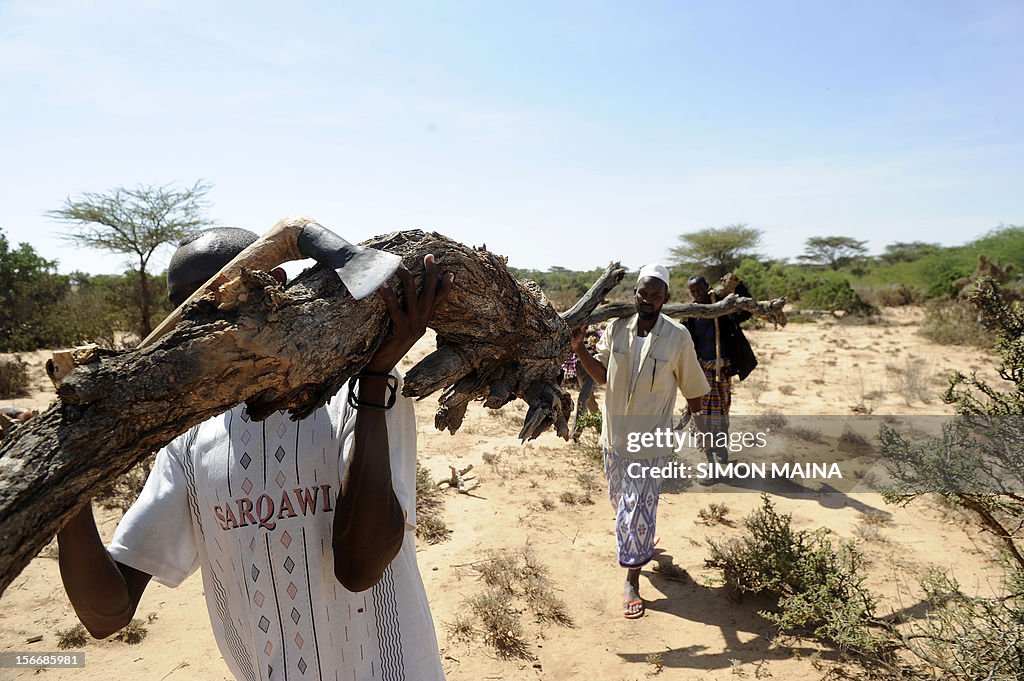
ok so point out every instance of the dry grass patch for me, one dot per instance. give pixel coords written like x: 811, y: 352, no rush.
x: 587, y: 482
x: 806, y: 434
x: 133, y: 634
x: 120, y: 494
x: 714, y: 514
x: 657, y: 662
x: 570, y: 498
x: 771, y: 420
x: 72, y: 637
x: 14, y: 380
x: 911, y: 379
x: 430, y: 525
x: 516, y: 582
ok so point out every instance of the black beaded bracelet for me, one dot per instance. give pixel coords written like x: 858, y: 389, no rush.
x: 357, y: 403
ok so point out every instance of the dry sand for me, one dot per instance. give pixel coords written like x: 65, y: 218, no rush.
x: 823, y: 367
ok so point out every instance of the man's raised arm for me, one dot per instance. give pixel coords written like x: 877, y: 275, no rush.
x: 597, y: 371
x: 369, y: 525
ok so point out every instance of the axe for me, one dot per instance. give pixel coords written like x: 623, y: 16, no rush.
x: 361, y: 269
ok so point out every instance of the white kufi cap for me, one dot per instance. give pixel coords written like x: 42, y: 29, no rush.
x: 654, y: 270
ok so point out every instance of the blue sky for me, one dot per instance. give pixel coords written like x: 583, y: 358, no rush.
x: 566, y: 134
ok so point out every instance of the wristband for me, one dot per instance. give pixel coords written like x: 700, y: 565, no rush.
x: 389, y: 401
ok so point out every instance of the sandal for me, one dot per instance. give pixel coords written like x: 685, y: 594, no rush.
x: 629, y: 610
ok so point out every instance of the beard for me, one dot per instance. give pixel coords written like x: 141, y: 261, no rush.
x: 647, y: 313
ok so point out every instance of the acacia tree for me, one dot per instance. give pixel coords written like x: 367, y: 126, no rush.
x: 717, y: 250
x: 136, y: 222
x: 834, y: 251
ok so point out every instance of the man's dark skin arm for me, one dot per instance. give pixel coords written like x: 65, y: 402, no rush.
x: 369, y: 525
x: 597, y: 371
x: 103, y: 592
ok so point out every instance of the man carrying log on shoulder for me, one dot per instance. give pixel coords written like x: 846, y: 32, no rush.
x: 723, y: 352
x: 302, y: 530
x: 644, y: 360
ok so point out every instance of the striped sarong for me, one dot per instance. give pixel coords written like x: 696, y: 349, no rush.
x: 716, y: 404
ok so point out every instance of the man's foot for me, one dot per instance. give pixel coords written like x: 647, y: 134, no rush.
x: 632, y: 604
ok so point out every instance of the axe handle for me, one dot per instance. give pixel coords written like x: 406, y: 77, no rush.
x: 278, y: 245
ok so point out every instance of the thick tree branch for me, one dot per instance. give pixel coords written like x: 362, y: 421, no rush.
x: 584, y: 308
x: 772, y: 310
x: 277, y: 348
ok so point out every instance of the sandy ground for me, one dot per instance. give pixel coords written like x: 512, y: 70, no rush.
x: 697, y: 633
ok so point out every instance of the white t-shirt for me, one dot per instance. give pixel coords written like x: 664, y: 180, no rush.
x: 231, y: 497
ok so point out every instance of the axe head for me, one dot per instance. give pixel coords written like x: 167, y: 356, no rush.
x: 362, y: 270
x: 366, y: 269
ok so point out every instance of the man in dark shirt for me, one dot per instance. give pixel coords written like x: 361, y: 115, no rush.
x: 723, y: 352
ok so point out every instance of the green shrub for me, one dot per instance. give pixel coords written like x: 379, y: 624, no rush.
x: 588, y: 437
x: 820, y: 590
x: 836, y: 295
x: 774, y: 279
x: 968, y: 637
x: 977, y: 464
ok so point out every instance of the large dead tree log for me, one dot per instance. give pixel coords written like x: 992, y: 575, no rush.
x: 282, y: 348
x: 276, y: 348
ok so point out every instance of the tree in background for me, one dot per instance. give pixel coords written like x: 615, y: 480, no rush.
x: 29, y: 286
x: 834, y: 251
x: 717, y: 250
x: 136, y: 222
x: 908, y: 251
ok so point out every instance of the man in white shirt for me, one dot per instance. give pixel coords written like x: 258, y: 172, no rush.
x: 645, y: 359
x: 303, y: 530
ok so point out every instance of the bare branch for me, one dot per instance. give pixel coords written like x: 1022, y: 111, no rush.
x: 772, y: 310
